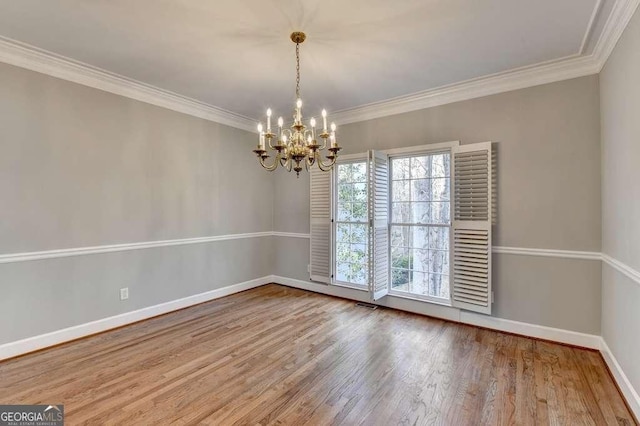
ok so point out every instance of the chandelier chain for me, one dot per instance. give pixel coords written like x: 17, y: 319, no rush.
x: 297, y: 70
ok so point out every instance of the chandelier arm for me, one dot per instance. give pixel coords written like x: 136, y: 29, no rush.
x: 273, y: 166
x: 270, y: 146
x: 324, y: 144
x: 326, y: 167
x: 310, y: 161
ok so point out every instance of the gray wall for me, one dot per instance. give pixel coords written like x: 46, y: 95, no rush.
x: 80, y: 167
x: 548, y: 141
x: 620, y: 106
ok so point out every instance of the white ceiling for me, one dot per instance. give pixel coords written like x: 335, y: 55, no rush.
x: 237, y: 55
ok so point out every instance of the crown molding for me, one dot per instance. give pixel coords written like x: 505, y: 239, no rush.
x: 578, y: 65
x: 548, y: 72
x: 32, y: 58
x: 617, y: 21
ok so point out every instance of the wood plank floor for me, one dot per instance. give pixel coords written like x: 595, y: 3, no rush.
x: 275, y: 355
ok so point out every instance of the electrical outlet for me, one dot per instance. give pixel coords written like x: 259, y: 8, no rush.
x: 124, y: 293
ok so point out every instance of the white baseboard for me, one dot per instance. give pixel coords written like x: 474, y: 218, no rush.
x: 590, y: 341
x: 31, y: 344
x: 20, y: 347
x: 559, y: 335
x: 627, y: 389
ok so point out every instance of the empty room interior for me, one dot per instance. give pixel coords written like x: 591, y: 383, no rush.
x: 306, y: 212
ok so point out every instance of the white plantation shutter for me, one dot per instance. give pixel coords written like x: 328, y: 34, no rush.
x: 320, y: 245
x: 378, y: 224
x: 472, y: 211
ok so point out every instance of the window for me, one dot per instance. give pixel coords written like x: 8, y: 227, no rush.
x: 351, y: 223
x: 420, y: 224
x: 412, y: 222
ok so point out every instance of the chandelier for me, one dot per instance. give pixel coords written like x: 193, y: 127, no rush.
x: 297, y: 145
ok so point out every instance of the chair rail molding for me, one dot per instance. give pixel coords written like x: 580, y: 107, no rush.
x: 623, y: 268
x: 82, y: 251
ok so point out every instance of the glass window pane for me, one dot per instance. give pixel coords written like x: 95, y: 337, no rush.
x: 344, y: 173
x: 439, y: 237
x: 421, y: 190
x: 400, y: 191
x: 420, y: 254
x: 439, y: 212
x: 358, y: 273
x: 351, y: 239
x: 358, y: 252
x: 400, y: 258
x: 420, y: 259
x: 344, y: 212
x: 419, y: 167
x: 420, y: 238
x: 359, y: 192
x: 343, y: 252
x: 359, y: 234
x: 420, y: 283
x: 359, y: 212
x: 342, y: 271
x: 400, y: 168
x: 345, y: 192
x: 440, y: 189
x: 342, y: 233
x: 439, y: 261
x: 400, y: 236
x: 440, y: 165
x: 401, y: 212
x: 400, y: 279
x: 420, y: 212
x: 438, y: 286
x: 359, y: 172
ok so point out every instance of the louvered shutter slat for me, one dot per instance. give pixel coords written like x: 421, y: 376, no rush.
x: 472, y: 211
x: 378, y: 224
x: 320, y: 244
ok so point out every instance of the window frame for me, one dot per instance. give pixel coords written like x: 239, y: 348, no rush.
x: 345, y: 159
x: 445, y: 148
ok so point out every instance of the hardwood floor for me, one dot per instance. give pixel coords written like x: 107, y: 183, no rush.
x: 275, y: 355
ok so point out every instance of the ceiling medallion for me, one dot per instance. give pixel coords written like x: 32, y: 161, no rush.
x: 298, y: 144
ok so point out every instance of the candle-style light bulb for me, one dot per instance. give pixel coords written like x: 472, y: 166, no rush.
x: 312, y: 122
x: 260, y: 136
x: 284, y: 139
x: 280, y: 122
x: 333, y: 135
x: 269, y: 120
x: 324, y: 120
x: 298, y: 112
